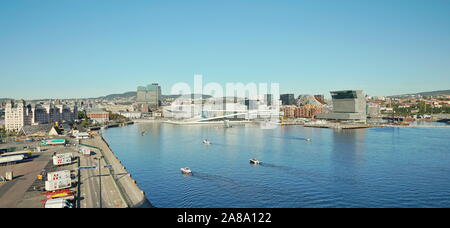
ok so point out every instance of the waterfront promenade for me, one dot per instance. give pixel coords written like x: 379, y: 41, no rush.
x: 130, y: 192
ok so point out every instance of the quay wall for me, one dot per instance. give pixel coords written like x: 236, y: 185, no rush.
x: 133, y: 195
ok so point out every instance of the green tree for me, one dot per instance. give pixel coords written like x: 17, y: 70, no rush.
x: 85, y: 123
x: 117, y: 117
x: 3, y: 133
x: 82, y: 115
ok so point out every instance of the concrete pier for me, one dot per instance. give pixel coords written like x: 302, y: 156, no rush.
x: 129, y: 190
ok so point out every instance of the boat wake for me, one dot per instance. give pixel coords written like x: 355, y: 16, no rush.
x: 236, y: 185
x: 314, y: 177
x: 292, y: 138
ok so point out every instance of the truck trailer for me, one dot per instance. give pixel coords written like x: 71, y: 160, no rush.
x: 58, y: 184
x: 60, y: 175
x: 53, y: 142
x: 11, y: 159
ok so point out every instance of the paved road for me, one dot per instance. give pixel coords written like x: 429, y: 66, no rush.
x: 90, y: 187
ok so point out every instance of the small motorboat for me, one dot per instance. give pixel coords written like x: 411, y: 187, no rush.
x: 254, y: 161
x: 206, y: 142
x: 186, y: 171
x: 308, y: 140
x: 227, y: 124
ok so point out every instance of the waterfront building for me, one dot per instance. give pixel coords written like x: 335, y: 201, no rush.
x: 131, y: 115
x: 116, y: 108
x: 288, y: 111
x: 98, y: 115
x: 150, y: 95
x: 348, y: 105
x: 306, y: 111
x: 287, y: 99
x: 251, y: 104
x: 373, y: 110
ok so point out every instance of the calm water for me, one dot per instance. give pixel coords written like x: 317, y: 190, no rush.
x: 378, y: 167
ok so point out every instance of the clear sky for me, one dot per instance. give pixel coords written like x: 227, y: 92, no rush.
x: 89, y: 48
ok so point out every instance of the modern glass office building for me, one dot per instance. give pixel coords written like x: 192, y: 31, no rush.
x: 150, y: 94
x: 287, y: 99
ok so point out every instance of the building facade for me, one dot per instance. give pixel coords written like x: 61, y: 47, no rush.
x: 150, y: 95
x: 19, y: 114
x: 348, y: 105
x: 306, y: 111
x: 287, y: 99
x: 16, y: 115
x: 98, y: 115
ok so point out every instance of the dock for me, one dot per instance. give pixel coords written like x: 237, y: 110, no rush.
x: 340, y: 126
x: 98, y: 180
x: 128, y: 189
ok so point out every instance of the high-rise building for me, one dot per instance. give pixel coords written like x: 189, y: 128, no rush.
x: 150, y: 95
x: 347, y: 105
x: 287, y: 99
x: 268, y: 99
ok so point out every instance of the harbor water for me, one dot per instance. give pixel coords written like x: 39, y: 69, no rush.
x: 376, y: 167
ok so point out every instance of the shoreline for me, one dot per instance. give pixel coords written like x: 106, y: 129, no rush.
x: 133, y: 195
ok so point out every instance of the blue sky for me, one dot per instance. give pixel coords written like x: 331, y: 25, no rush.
x: 89, y: 48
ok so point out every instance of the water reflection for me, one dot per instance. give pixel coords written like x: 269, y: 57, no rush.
x: 349, y: 168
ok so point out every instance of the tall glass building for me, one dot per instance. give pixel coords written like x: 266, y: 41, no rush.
x: 150, y: 95
x: 287, y: 99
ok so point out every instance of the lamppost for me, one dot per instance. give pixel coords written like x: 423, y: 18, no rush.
x: 100, y: 179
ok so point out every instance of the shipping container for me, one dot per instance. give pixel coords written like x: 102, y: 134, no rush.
x: 58, y: 184
x: 61, y: 161
x: 66, y: 155
x: 65, y: 174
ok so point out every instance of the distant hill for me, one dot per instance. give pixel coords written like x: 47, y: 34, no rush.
x: 119, y: 95
x: 134, y: 94
x: 5, y: 99
x: 432, y: 93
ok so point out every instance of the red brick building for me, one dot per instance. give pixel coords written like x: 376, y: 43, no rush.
x: 99, y: 116
x: 306, y: 111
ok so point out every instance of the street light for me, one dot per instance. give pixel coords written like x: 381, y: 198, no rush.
x: 100, y: 178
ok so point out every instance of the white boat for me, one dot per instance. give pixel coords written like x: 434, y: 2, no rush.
x: 254, y: 161
x: 308, y: 139
x: 227, y: 124
x: 206, y: 142
x: 186, y: 171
